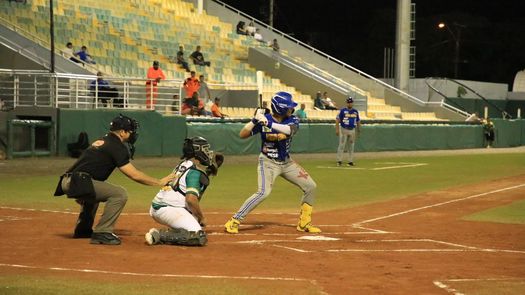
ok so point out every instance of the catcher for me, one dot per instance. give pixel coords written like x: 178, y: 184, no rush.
x: 177, y: 204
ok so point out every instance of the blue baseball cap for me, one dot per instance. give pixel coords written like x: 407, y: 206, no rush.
x: 349, y: 100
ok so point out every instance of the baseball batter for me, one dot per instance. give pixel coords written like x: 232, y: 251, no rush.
x: 350, y: 123
x: 276, y: 131
x: 177, y: 204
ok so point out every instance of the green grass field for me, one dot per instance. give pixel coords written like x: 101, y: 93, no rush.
x: 31, y: 182
x: 513, y: 213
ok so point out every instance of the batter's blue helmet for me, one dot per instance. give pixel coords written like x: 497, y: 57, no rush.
x: 281, y: 102
x: 349, y: 100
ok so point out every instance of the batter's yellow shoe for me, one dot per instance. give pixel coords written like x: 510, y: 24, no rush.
x: 305, y: 220
x: 232, y: 226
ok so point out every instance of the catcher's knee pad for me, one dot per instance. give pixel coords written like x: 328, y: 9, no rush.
x: 180, y: 236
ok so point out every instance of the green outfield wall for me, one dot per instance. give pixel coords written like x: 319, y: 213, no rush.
x: 163, y: 135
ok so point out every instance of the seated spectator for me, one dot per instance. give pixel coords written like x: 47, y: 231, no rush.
x: 274, y: 45
x: 327, y: 102
x: 85, y: 56
x: 102, y: 89
x: 241, y: 28
x: 257, y: 36
x: 191, y: 85
x: 301, y: 113
x: 69, y: 53
x: 318, y: 102
x: 198, y: 58
x: 180, y: 59
x: 193, y: 106
x: 250, y: 29
x: 216, y: 110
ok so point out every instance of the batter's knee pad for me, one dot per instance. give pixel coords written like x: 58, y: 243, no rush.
x: 180, y: 236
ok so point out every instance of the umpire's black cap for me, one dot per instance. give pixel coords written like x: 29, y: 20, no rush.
x: 124, y: 123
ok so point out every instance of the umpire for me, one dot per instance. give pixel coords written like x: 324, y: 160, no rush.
x: 85, y: 181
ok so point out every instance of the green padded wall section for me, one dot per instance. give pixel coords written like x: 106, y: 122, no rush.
x: 509, y: 133
x: 158, y: 135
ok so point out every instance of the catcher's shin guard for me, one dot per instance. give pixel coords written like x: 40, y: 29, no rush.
x: 232, y: 226
x: 179, y: 236
x: 305, y: 220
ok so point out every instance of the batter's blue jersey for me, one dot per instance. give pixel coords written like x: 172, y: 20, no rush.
x: 348, y: 118
x: 271, y: 147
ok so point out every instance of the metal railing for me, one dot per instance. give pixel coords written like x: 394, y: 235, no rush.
x: 40, y: 88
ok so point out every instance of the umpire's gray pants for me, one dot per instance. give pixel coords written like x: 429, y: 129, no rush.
x: 267, y: 171
x: 346, y: 138
x: 115, y: 198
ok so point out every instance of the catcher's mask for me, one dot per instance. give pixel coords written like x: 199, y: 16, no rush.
x: 198, y: 147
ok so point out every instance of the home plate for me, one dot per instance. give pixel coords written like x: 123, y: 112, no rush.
x: 317, y: 238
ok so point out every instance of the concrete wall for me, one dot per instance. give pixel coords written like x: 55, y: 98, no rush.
x: 418, y: 88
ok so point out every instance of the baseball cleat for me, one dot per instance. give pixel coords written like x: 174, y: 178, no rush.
x: 350, y: 163
x: 339, y: 164
x: 309, y: 229
x: 152, y: 236
x: 232, y: 226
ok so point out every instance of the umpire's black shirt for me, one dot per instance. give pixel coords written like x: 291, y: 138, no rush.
x: 101, y: 158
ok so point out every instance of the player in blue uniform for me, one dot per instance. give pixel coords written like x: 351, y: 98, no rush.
x: 276, y: 131
x: 350, y: 123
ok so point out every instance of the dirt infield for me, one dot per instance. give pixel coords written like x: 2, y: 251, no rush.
x: 409, y: 246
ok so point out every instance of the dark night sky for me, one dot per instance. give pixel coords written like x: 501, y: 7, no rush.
x: 356, y: 32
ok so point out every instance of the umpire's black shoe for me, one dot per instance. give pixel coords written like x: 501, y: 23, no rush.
x: 350, y: 163
x: 104, y: 239
x: 82, y: 234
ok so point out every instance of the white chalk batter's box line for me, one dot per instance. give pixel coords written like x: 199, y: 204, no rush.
x: 449, y: 289
x: 457, y: 247
x: 390, y: 165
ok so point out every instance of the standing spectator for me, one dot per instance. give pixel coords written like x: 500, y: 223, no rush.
x: 216, y: 110
x: 84, y: 55
x: 175, y: 103
x: 205, y: 95
x: 155, y: 74
x: 85, y: 181
x: 318, y: 102
x: 104, y: 91
x: 301, y: 113
x: 181, y: 60
x: 489, y: 132
x: 198, y: 58
x: 276, y: 131
x: 327, y: 102
x: 191, y: 85
x: 350, y: 123
x: 241, y: 28
x: 193, y: 106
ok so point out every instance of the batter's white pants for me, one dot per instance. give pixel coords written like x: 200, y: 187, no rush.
x: 346, y: 137
x: 175, y: 217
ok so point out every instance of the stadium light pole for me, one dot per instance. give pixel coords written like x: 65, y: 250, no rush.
x: 457, y: 43
x: 52, y: 36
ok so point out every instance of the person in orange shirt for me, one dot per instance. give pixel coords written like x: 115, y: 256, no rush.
x: 215, y: 109
x: 193, y: 106
x: 155, y: 74
x: 191, y: 85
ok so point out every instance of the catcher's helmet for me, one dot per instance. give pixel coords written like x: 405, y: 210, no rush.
x: 199, y: 148
x: 281, y: 102
x: 349, y: 100
x: 127, y: 124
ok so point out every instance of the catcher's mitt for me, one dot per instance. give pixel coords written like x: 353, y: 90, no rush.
x: 216, y: 163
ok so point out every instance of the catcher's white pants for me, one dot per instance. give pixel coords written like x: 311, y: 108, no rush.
x: 346, y: 137
x: 175, y: 217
